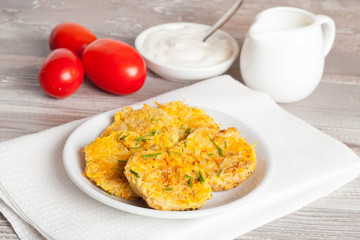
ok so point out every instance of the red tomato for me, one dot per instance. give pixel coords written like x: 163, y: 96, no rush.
x: 61, y: 73
x: 114, y: 66
x: 72, y: 36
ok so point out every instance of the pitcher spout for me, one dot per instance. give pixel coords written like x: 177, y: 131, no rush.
x: 256, y: 33
x: 279, y: 22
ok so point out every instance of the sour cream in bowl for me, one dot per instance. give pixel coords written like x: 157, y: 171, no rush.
x: 175, y: 51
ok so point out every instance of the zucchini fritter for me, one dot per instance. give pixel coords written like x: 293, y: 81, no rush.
x: 187, y: 119
x: 105, y: 160
x: 226, y: 158
x: 143, y: 121
x: 132, y: 131
x: 165, y: 183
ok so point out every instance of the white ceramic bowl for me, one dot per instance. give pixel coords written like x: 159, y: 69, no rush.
x: 182, y: 74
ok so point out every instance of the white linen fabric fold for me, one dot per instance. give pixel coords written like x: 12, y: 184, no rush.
x: 38, y: 198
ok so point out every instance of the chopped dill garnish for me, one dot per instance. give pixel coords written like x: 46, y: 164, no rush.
x: 135, y: 173
x: 123, y: 161
x: 168, y: 151
x: 185, y: 143
x: 201, y: 177
x: 135, y: 147
x: 210, y: 154
x: 225, y: 145
x: 168, y: 189
x: 151, y: 155
x: 119, y: 136
x: 188, y: 130
x: 217, y: 147
x: 190, y: 181
x: 123, y: 137
x: 154, y: 120
x: 143, y: 138
x: 89, y: 161
x: 108, y: 193
x: 219, y: 173
x: 182, y: 127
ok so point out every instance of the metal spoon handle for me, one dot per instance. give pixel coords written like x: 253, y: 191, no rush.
x: 223, y: 19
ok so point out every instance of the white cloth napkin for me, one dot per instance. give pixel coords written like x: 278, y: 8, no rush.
x: 38, y: 197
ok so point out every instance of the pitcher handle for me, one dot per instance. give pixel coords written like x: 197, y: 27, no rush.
x: 328, y: 30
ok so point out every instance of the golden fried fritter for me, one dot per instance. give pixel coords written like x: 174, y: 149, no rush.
x: 165, y: 183
x: 132, y: 131
x: 187, y: 119
x: 226, y: 158
x: 105, y: 160
x: 143, y: 121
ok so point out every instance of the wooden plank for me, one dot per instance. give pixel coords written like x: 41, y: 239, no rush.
x: 6, y: 230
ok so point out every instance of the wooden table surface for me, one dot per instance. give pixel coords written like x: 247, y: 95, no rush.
x: 333, y: 108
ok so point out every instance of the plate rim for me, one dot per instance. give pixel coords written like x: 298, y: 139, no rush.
x: 148, y: 212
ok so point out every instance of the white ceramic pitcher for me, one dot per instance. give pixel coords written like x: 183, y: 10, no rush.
x: 284, y: 50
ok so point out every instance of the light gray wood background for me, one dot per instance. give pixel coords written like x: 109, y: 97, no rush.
x: 334, y: 107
